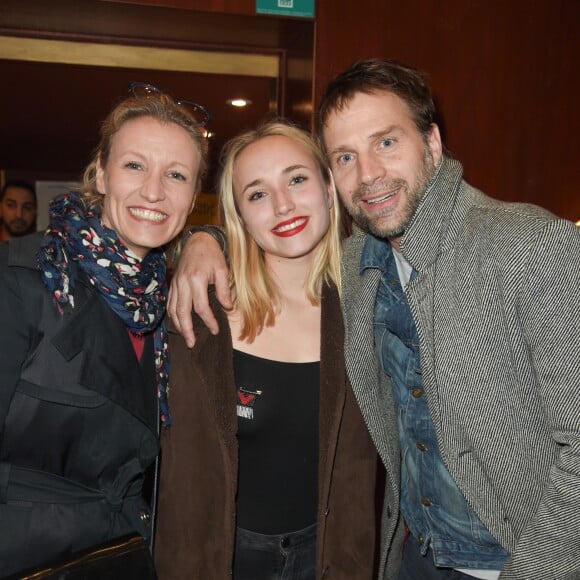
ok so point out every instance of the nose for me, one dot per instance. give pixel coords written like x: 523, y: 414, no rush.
x: 370, y: 168
x: 19, y: 211
x: 152, y: 188
x: 283, y: 203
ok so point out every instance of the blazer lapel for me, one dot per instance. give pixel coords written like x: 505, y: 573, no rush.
x: 332, y: 387
x: 370, y: 384
x: 109, y: 365
x: 218, y: 383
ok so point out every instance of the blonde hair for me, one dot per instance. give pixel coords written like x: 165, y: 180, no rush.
x: 256, y: 295
x: 158, y: 106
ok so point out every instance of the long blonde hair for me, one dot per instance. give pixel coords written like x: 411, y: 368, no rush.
x: 256, y: 295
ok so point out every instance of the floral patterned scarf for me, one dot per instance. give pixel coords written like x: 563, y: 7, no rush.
x: 136, y: 290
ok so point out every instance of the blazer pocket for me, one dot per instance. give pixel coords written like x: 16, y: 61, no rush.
x: 84, y: 399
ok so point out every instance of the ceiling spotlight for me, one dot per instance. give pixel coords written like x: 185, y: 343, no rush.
x: 239, y: 102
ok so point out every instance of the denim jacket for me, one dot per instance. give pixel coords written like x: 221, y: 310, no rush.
x: 433, y: 507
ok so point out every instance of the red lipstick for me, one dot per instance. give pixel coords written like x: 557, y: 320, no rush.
x: 290, y: 227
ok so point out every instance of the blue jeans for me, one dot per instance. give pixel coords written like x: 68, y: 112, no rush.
x: 414, y: 566
x: 275, y: 557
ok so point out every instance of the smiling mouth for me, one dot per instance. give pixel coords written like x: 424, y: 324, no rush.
x: 147, y: 214
x: 292, y: 225
x: 381, y: 199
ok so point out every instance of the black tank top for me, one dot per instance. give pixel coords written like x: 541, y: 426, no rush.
x: 278, y: 443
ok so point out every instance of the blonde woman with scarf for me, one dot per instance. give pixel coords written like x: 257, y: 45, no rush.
x: 83, y: 373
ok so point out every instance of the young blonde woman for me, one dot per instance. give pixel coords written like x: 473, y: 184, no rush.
x: 83, y: 371
x: 268, y: 471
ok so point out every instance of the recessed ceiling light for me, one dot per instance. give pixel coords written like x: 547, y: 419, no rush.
x: 239, y: 102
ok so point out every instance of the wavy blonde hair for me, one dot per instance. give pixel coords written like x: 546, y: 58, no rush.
x: 256, y: 294
x: 157, y: 106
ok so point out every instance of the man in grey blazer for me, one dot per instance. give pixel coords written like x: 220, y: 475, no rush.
x: 462, y: 342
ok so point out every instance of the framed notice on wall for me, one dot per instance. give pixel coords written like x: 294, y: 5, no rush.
x: 301, y: 8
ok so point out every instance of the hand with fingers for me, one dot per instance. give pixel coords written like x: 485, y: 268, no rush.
x: 201, y: 264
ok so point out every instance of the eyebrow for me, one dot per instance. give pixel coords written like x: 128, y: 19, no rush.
x: 285, y: 171
x: 386, y: 130
x: 139, y: 156
x: 379, y: 133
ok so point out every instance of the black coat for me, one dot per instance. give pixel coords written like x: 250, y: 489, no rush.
x: 78, y: 419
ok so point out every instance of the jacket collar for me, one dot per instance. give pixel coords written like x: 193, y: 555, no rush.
x: 433, y: 217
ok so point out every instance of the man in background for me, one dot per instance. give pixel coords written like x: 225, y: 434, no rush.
x: 17, y: 209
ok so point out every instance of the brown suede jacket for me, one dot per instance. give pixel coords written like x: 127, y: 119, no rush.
x: 196, y: 511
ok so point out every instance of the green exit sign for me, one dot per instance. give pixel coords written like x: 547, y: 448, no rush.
x: 303, y: 8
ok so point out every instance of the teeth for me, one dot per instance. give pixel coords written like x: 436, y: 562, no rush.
x: 380, y: 199
x: 291, y: 226
x: 148, y: 214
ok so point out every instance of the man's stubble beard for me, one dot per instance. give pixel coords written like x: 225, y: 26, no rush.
x: 378, y: 224
x: 18, y: 227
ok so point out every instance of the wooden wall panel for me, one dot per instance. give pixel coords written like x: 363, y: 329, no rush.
x: 505, y: 75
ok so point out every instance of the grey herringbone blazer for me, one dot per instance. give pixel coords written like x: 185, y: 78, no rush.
x: 496, y: 303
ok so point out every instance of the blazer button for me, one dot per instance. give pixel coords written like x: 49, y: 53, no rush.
x: 421, y: 447
x: 145, y: 516
x: 426, y: 501
x: 417, y: 393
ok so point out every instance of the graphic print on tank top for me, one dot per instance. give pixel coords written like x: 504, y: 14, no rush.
x: 246, y: 400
